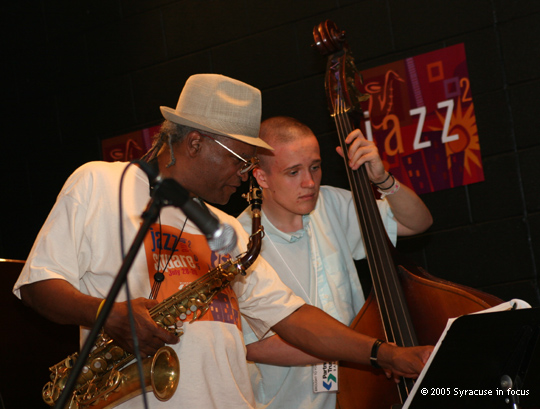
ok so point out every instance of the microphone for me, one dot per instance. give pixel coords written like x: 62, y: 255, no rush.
x: 221, y: 237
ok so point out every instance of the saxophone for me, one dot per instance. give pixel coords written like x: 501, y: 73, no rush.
x: 109, y: 376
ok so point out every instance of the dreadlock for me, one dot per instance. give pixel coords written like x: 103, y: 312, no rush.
x: 169, y: 133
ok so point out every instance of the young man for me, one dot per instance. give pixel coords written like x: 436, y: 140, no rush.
x: 207, y: 145
x: 311, y: 238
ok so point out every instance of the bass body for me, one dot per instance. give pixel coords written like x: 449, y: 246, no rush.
x: 430, y: 301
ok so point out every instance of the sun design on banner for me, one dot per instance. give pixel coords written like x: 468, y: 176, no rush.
x: 463, y: 153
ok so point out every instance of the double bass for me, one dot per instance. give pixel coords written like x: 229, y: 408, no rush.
x: 407, y: 305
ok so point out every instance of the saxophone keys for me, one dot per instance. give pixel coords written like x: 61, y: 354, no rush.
x: 203, y: 311
x: 194, y: 304
x: 50, y: 393
x: 98, y: 365
x: 70, y: 360
x: 115, y: 353
x: 200, y: 313
x: 168, y: 320
x: 85, y: 375
x: 190, y: 304
x: 90, y: 393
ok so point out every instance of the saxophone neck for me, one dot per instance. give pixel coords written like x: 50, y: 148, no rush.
x: 254, y: 197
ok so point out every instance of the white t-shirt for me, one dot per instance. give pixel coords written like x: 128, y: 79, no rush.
x: 79, y: 242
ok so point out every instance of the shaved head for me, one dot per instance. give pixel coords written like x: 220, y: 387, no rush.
x: 279, y: 130
x: 290, y: 175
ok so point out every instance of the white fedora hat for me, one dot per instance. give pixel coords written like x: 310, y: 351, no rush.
x: 221, y: 105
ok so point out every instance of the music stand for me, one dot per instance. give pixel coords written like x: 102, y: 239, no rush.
x: 480, y: 356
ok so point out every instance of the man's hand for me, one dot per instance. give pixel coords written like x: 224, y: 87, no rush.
x: 410, y: 212
x: 60, y: 302
x: 405, y: 362
x: 151, y: 336
x: 362, y: 151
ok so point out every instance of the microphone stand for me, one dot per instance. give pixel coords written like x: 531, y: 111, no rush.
x: 149, y: 217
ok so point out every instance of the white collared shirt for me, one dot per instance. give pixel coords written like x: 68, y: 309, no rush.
x: 317, y: 263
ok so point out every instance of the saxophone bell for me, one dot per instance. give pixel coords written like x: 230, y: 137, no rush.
x: 161, y: 374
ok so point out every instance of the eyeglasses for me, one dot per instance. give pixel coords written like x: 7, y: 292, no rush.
x: 248, y: 164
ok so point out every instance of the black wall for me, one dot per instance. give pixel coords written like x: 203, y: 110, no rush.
x: 76, y: 72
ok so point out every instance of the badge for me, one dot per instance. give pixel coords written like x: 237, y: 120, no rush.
x: 325, y: 377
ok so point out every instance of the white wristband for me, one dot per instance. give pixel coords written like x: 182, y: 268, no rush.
x: 394, y: 189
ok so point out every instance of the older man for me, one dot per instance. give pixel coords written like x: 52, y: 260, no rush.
x: 206, y: 145
x: 311, y: 239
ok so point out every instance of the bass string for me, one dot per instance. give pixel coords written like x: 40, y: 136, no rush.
x: 386, y: 284
x: 393, y: 309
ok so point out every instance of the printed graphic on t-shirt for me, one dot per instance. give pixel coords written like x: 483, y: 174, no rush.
x: 183, y: 260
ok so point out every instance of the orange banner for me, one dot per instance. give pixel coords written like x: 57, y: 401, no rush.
x: 421, y: 115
